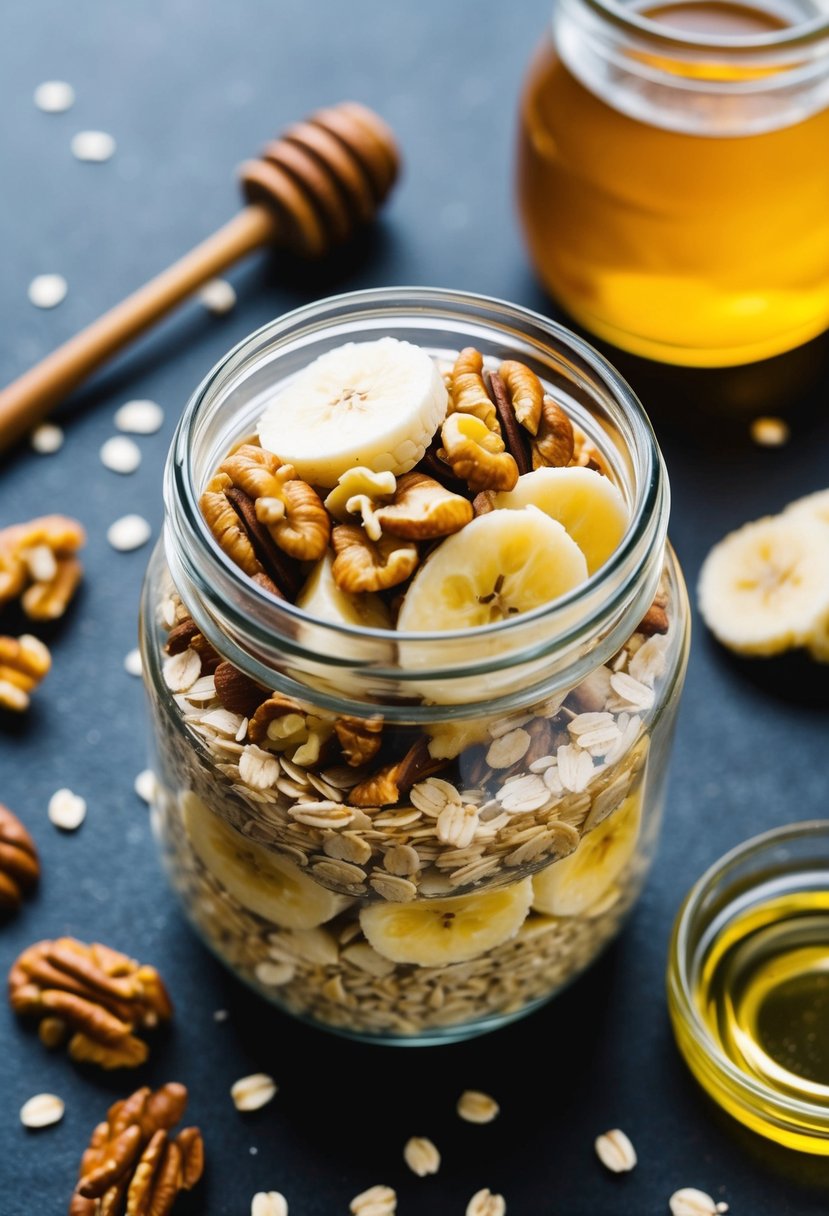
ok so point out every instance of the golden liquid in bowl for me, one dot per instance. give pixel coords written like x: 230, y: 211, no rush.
x: 694, y: 249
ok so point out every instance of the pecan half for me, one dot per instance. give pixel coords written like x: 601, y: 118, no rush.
x: 274, y: 565
x: 24, y: 662
x: 477, y: 454
x: 133, y: 1167
x: 423, y: 509
x: 553, y: 445
x: 38, y: 563
x: 288, y: 507
x: 511, y: 431
x: 365, y: 565
x: 526, y: 393
x: 19, y: 864
x: 467, y: 390
x: 223, y: 521
x: 360, y: 739
x: 96, y: 995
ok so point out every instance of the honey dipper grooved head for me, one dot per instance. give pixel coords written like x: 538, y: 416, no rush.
x: 325, y: 177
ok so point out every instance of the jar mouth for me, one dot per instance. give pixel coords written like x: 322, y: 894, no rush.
x: 769, y: 1109
x: 629, y: 18
x: 615, y: 589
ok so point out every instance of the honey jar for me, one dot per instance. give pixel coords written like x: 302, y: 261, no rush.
x: 673, y: 180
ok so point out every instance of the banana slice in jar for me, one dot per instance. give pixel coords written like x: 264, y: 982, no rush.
x: 376, y: 404
x: 437, y: 932
x: 572, y: 886
x: 262, y: 881
x: 588, y: 505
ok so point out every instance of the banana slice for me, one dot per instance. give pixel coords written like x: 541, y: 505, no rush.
x: 501, y: 564
x: 376, y: 404
x: 323, y: 599
x: 572, y: 886
x: 814, y: 506
x: 589, y: 506
x: 269, y: 885
x: 765, y: 587
x: 435, y: 932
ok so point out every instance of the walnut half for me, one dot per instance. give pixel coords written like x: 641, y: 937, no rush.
x: 476, y: 454
x: 365, y: 565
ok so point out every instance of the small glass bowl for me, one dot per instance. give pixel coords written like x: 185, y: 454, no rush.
x: 783, y: 864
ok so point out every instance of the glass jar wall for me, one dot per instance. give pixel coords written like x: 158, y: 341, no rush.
x: 463, y: 870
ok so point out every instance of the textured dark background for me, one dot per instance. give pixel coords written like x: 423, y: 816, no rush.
x: 189, y: 89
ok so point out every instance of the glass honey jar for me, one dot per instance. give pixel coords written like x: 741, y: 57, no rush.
x: 673, y: 181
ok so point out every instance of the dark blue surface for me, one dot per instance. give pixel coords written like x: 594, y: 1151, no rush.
x: 188, y: 90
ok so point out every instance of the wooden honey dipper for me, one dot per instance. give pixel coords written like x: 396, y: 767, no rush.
x: 308, y: 191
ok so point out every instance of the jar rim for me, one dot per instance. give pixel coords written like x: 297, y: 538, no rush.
x: 749, y: 1091
x: 627, y: 18
x: 205, y: 559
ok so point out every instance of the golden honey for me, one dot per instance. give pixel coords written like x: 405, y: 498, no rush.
x: 675, y: 198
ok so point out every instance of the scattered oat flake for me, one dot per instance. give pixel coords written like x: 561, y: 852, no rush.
x: 421, y: 1156
x: 253, y: 1092
x: 690, y: 1202
x: 144, y: 785
x: 92, y: 145
x: 129, y: 532
x: 46, y: 439
x: 132, y: 663
x: 770, y: 432
x: 120, y: 454
x: 48, y: 290
x: 474, y: 1106
x: 220, y: 1015
x: 66, y: 810
x: 42, y: 1110
x: 484, y: 1203
x: 376, y: 1201
x: 54, y: 96
x: 269, y: 1203
x: 218, y: 296
x: 615, y: 1151
x: 139, y: 417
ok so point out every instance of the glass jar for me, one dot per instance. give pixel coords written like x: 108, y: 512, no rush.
x: 512, y: 832
x: 672, y: 177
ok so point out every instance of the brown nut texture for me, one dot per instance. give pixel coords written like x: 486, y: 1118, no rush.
x: 525, y: 391
x: 38, y: 563
x: 467, y: 390
x: 553, y: 445
x: 359, y: 738
x: 423, y: 509
x: 289, y: 508
x: 24, y: 662
x: 19, y: 863
x: 476, y: 454
x: 365, y: 565
x: 133, y: 1166
x: 92, y: 995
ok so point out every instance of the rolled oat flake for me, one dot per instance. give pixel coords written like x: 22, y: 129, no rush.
x: 615, y: 1151
x: 41, y: 1111
x: 120, y: 454
x: 66, y: 811
x: 48, y: 290
x: 253, y: 1092
x: 139, y: 417
x: 690, y: 1202
x: 269, y: 1203
x: 92, y: 146
x: 46, y: 439
x: 129, y: 532
x: 54, y: 96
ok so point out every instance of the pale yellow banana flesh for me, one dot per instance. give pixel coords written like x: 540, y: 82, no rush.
x: 269, y: 885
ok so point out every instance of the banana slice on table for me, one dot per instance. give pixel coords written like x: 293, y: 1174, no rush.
x: 323, y: 599
x: 570, y: 887
x: 500, y: 564
x: 587, y: 504
x: 269, y: 885
x: 376, y: 404
x: 765, y: 587
x: 813, y: 506
x: 436, y: 932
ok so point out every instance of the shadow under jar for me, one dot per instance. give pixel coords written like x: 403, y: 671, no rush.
x: 523, y: 763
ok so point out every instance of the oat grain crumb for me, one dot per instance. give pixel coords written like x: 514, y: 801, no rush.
x: 615, y: 1151
x: 477, y: 1107
x: 253, y: 1092
x: 421, y: 1156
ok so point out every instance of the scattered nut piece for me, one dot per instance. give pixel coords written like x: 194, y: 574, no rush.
x: 54, y: 96
x: 467, y: 391
x: 132, y: 1164
x: 19, y: 863
x: 38, y: 563
x: 770, y: 432
x: 376, y: 1201
x: 476, y: 455
x: 139, y: 417
x: 145, y: 785
x: 120, y: 454
x: 269, y: 1203
x: 477, y: 1107
x: 24, y: 662
x: 92, y: 145
x: 128, y: 533
x: 253, y: 1092
x: 690, y: 1202
x: 218, y: 296
x: 423, y: 509
x: 48, y: 290
x: 46, y: 439
x: 96, y: 995
x: 363, y: 565
x: 615, y: 1151
x: 41, y: 1111
x: 421, y: 1156
x: 67, y: 811
x: 132, y: 663
x: 484, y: 1203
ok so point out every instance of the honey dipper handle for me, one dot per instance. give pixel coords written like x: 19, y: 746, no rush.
x: 26, y: 402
